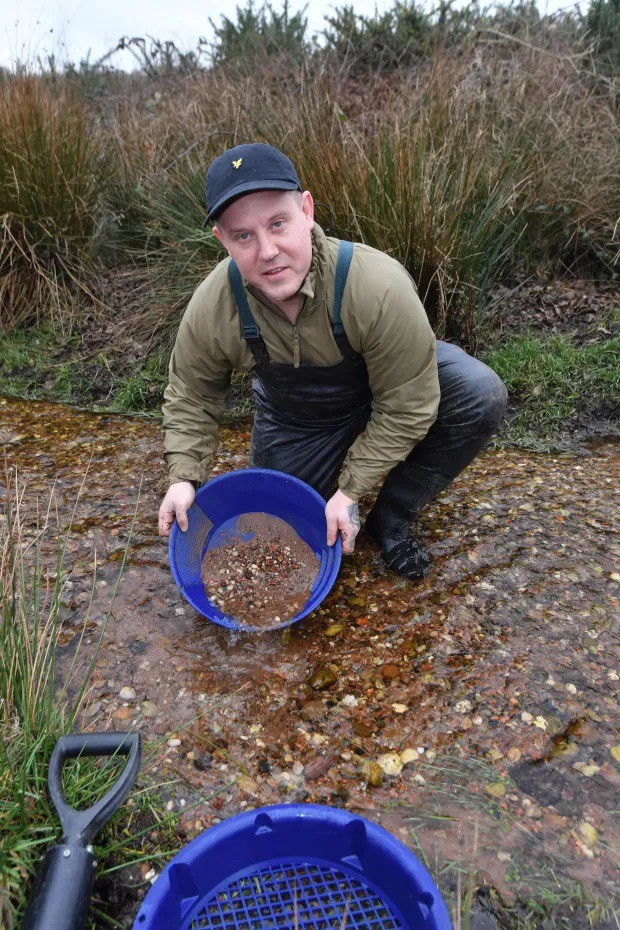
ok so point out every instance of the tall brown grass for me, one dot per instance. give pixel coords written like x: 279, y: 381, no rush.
x: 53, y: 183
x: 500, y: 158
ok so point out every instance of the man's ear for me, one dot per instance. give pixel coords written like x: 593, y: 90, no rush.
x: 217, y: 232
x: 307, y: 207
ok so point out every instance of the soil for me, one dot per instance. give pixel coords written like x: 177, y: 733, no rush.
x: 586, y: 311
x: 264, y: 580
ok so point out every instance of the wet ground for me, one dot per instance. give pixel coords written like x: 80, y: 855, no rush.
x: 474, y: 714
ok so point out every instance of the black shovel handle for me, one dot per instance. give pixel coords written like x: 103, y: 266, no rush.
x: 63, y: 884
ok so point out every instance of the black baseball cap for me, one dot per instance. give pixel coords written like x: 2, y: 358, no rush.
x: 254, y: 166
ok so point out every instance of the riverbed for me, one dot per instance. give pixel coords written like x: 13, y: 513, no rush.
x: 474, y: 713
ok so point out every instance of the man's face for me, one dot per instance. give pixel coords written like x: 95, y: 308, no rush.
x: 267, y: 233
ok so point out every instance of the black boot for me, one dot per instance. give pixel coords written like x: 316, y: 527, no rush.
x: 405, y: 491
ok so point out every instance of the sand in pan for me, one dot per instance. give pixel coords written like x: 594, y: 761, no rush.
x: 262, y: 581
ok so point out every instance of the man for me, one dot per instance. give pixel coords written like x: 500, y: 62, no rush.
x: 350, y: 385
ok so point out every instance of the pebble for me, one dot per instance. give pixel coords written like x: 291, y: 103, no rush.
x: 588, y: 833
x: 174, y: 742
x: 312, y: 711
x: 372, y: 773
x: 149, y: 709
x: 391, y: 763
x: 127, y: 694
x: 463, y: 706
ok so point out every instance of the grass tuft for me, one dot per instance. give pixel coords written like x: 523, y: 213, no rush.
x: 552, y: 381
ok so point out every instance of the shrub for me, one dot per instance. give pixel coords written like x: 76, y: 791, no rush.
x: 259, y: 32
x: 396, y: 38
x: 602, y: 21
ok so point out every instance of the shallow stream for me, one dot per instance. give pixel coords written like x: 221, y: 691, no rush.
x: 493, y: 683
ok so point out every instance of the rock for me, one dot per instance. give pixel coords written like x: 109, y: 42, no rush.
x: 127, y: 694
x: 588, y: 833
x: 615, y: 752
x: 497, y: 789
x: 462, y: 707
x: 123, y: 713
x: 513, y: 754
x: 349, y: 700
x: 323, y: 677
x: 390, y: 671
x: 400, y: 708
x: 409, y: 755
x: 248, y: 786
x: 533, y: 811
x: 503, y: 856
x: 391, y: 764
x: 312, y: 711
x: 357, y: 602
x: 202, y: 761
x: 175, y: 741
x: 587, y: 770
x: 363, y: 728
x: 149, y: 709
x: 372, y: 773
x: 555, y: 821
x: 319, y: 766
x: 334, y: 629
x: 298, y: 768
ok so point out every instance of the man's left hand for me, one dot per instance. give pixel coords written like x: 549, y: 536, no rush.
x: 342, y: 517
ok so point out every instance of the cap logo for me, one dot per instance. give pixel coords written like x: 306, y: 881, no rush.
x: 237, y: 164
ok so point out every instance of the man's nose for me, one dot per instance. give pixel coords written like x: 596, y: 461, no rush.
x: 267, y: 247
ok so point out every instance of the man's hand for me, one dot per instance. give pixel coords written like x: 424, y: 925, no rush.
x: 342, y: 516
x: 179, y: 498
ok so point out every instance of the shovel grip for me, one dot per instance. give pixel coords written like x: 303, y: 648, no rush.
x: 62, y: 889
x: 82, y: 825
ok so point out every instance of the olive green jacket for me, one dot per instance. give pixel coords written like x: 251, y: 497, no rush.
x: 383, y: 318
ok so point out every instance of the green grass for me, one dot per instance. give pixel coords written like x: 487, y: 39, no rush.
x: 35, y: 711
x: 551, y: 380
x: 30, y: 367
x: 144, y: 390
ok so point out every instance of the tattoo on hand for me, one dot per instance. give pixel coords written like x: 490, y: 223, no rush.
x: 353, y: 514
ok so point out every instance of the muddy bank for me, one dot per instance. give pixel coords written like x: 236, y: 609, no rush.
x: 475, y: 713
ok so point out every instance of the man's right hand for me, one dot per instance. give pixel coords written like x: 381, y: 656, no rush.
x: 179, y: 498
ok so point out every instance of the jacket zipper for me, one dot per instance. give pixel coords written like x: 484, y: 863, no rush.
x: 296, y: 352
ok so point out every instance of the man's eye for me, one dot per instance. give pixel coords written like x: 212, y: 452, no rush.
x: 278, y: 223
x: 243, y: 237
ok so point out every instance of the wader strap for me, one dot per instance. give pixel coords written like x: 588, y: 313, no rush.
x: 249, y: 329
x: 345, y: 254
